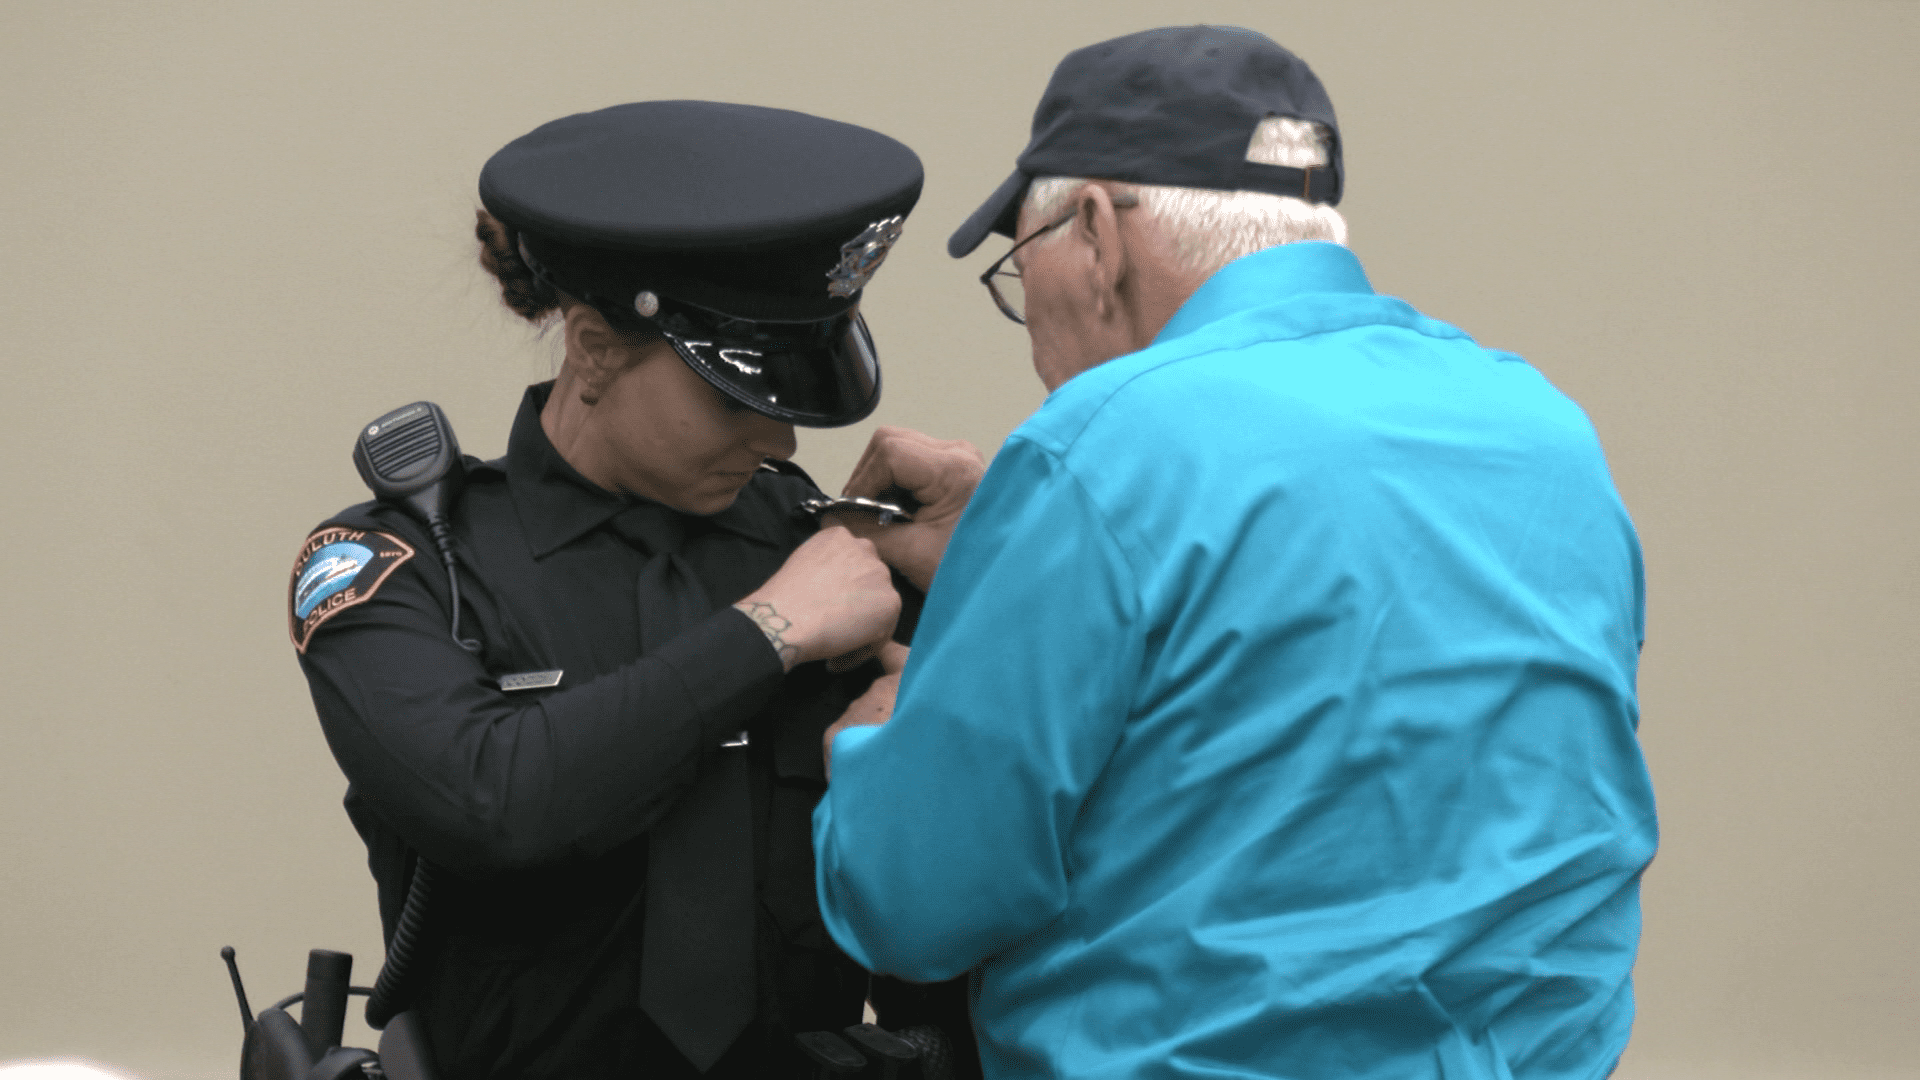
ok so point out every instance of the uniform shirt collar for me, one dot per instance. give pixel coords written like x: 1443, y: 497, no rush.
x: 1267, y: 275
x: 558, y: 505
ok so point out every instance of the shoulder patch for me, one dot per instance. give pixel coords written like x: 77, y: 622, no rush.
x: 338, y: 567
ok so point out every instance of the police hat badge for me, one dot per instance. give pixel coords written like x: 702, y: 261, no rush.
x: 862, y: 255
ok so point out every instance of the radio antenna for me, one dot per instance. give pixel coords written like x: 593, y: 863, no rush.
x: 240, y: 992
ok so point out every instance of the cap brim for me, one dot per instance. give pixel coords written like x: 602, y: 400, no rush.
x: 1000, y: 213
x: 826, y: 375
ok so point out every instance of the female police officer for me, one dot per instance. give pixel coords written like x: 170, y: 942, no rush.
x: 611, y: 776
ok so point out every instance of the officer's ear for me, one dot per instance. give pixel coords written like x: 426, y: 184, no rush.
x: 596, y: 352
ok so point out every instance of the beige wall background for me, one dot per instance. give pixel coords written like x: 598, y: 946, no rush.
x: 234, y: 232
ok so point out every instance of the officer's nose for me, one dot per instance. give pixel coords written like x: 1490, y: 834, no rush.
x: 771, y: 438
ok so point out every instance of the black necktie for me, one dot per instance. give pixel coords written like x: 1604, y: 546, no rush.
x: 697, y: 978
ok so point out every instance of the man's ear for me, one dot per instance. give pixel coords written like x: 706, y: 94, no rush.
x: 594, y: 351
x: 1098, y: 227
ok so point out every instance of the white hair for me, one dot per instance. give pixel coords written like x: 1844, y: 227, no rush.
x: 1212, y: 228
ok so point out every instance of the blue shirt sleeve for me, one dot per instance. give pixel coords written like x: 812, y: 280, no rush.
x: 944, y: 836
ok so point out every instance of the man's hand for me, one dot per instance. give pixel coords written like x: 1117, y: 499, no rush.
x: 940, y: 473
x: 831, y: 597
x: 873, y: 708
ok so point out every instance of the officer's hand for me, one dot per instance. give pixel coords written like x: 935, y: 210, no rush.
x: 832, y: 596
x: 889, y: 661
x: 872, y: 708
x: 940, y: 473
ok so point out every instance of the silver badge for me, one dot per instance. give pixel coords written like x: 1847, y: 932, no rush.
x: 862, y: 255
x: 885, y: 513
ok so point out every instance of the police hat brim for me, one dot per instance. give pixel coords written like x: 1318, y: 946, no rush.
x: 823, y: 373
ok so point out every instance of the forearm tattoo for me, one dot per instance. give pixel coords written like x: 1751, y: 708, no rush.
x: 774, y: 625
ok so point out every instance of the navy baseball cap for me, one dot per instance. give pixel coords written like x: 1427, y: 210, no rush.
x: 743, y: 235
x: 1174, y: 106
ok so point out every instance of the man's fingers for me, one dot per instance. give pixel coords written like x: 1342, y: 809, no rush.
x: 940, y: 473
x: 871, y: 474
x: 894, y: 456
x: 893, y: 657
x: 873, y: 708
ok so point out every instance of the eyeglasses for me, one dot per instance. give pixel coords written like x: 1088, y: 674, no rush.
x: 1005, y: 286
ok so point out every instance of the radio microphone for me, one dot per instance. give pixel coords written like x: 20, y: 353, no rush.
x: 410, y: 457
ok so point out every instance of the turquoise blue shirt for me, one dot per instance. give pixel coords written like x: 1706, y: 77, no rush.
x: 1272, y: 714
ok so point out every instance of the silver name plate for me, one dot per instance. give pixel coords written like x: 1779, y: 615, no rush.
x: 531, y: 680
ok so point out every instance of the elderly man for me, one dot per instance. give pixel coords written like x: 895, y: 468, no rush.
x: 1273, y: 710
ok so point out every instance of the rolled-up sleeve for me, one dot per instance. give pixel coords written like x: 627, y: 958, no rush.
x: 945, y: 836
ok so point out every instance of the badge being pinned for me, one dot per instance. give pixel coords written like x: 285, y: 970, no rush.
x: 338, y: 568
x: 862, y: 255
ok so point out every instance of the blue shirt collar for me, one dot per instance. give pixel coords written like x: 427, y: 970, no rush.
x: 1264, y: 276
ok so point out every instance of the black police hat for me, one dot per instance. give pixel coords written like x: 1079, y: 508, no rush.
x: 743, y: 235
x: 1174, y: 106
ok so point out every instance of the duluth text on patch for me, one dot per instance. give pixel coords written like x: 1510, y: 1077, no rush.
x: 338, y: 568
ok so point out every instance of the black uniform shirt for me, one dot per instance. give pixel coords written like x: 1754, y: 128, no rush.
x: 534, y: 805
